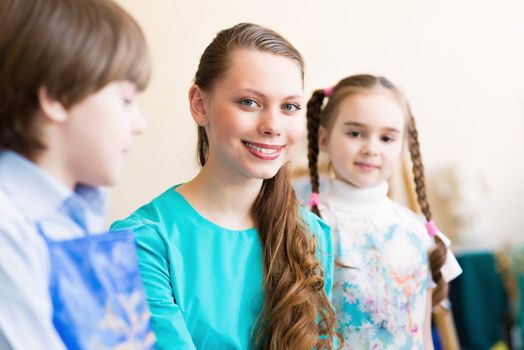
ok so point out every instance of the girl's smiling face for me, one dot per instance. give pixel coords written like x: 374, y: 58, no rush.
x: 365, y: 140
x: 252, y: 114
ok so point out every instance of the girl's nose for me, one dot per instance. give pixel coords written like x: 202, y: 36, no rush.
x: 370, y: 148
x: 269, y: 124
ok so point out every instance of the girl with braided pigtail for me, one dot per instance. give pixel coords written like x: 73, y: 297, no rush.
x: 392, y: 266
x: 229, y: 260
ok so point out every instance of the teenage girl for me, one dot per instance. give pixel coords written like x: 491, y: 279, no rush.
x: 228, y: 259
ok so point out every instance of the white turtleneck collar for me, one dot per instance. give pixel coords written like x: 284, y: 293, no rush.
x: 346, y: 197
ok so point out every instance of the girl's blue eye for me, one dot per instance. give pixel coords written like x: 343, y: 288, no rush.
x: 291, y: 107
x: 248, y: 102
x: 388, y: 139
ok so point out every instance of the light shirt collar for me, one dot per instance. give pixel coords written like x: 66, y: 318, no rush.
x: 38, y: 195
x: 347, y: 197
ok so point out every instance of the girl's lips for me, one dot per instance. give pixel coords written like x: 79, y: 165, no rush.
x: 263, y: 151
x: 366, y: 166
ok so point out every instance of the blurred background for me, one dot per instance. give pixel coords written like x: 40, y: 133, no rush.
x: 461, y: 65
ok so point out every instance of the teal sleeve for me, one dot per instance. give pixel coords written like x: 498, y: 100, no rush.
x: 167, y: 319
x: 325, y: 254
x: 324, y: 251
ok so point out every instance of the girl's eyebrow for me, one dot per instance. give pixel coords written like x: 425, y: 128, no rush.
x: 355, y: 124
x: 261, y: 95
x: 392, y: 130
x: 253, y: 91
x: 361, y: 125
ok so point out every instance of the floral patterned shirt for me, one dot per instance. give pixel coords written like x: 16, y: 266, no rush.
x: 382, y: 273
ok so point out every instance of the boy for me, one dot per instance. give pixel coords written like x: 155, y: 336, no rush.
x: 69, y: 74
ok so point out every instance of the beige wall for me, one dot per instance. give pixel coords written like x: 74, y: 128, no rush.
x: 460, y: 62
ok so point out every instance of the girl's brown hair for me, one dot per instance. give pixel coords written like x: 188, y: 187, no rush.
x: 296, y: 313
x: 319, y: 115
x: 72, y: 48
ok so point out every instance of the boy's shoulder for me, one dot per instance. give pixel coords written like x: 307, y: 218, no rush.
x: 16, y: 231
x: 10, y: 214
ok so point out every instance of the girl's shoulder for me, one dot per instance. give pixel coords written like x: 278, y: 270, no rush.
x: 414, y: 223
x: 315, y: 224
x: 418, y: 223
x: 407, y: 214
x: 324, y: 245
x: 320, y: 229
x: 164, y: 210
x: 451, y: 268
x: 328, y: 214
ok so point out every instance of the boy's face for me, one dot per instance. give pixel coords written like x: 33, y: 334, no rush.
x: 99, y: 132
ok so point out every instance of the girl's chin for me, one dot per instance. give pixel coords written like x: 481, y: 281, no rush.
x: 264, y: 175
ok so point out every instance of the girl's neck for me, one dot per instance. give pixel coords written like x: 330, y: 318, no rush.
x: 221, y: 198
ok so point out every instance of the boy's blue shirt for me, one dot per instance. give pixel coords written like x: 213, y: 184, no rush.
x: 28, y: 195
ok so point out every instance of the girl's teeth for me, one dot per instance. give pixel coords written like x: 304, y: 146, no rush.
x: 261, y: 150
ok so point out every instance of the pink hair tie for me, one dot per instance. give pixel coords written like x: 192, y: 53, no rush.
x: 432, y: 228
x: 313, y: 200
x: 328, y: 91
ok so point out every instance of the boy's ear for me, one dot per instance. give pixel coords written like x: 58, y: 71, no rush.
x: 198, y: 106
x: 51, y: 108
x: 322, y: 138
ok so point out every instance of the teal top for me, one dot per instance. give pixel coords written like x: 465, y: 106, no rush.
x: 203, y: 281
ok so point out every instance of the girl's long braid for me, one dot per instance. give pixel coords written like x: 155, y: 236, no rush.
x: 292, y: 273
x: 437, y: 257
x: 314, y: 109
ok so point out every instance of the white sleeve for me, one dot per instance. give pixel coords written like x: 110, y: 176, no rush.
x: 451, y: 268
x: 25, y: 303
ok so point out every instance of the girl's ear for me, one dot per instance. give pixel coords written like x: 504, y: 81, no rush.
x: 52, y: 109
x: 322, y: 138
x: 197, y: 105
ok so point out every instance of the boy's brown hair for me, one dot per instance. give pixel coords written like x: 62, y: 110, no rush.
x: 72, y: 48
